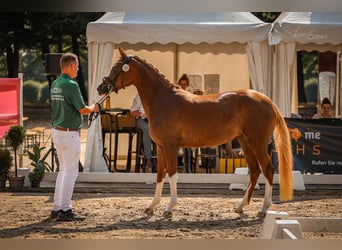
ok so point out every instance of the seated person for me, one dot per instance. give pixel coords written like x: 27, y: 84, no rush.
x: 183, y: 82
x: 137, y: 110
x: 325, y: 110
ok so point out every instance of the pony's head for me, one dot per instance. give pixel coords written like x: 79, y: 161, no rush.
x: 119, y: 76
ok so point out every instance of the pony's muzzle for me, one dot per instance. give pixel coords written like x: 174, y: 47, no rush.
x: 105, y: 87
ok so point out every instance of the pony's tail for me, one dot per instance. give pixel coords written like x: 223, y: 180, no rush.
x: 283, y: 146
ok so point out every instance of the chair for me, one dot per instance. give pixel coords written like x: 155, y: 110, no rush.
x: 10, y: 103
x: 40, y: 134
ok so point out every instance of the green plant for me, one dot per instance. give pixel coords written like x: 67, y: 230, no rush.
x: 39, y: 165
x: 15, y: 136
x: 5, y: 162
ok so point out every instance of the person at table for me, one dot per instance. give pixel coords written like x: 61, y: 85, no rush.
x: 183, y: 82
x: 138, y: 111
x: 325, y: 110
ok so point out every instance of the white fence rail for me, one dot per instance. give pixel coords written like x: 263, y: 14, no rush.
x: 279, y: 225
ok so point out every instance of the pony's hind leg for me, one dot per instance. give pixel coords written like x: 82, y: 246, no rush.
x: 268, y: 171
x: 254, y: 172
x: 171, y: 163
x: 267, y: 200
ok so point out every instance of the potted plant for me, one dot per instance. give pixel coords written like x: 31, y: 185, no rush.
x: 15, y: 136
x: 5, y: 164
x: 39, y: 166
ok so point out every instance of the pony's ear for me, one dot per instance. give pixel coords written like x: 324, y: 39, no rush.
x: 122, y: 53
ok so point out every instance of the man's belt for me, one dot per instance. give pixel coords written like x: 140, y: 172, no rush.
x: 66, y: 129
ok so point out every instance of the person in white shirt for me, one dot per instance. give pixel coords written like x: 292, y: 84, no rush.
x: 183, y: 82
x: 138, y: 111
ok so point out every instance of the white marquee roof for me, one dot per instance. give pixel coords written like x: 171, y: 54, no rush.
x: 226, y: 27
x: 308, y: 27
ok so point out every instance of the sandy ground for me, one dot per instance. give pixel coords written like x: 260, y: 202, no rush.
x: 116, y: 212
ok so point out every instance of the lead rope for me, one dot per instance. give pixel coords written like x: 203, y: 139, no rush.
x: 93, y: 115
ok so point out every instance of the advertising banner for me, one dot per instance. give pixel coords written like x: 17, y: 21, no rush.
x: 316, y: 145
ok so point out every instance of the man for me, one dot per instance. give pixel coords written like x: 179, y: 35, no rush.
x: 67, y: 109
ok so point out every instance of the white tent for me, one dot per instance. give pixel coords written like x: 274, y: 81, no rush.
x: 226, y: 27
x: 294, y: 31
x: 308, y: 27
x: 230, y: 45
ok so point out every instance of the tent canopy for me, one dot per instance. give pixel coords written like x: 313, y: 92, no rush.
x: 307, y: 27
x: 183, y: 42
x: 225, y: 27
x: 224, y: 44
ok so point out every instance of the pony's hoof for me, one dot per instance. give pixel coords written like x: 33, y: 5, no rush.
x: 261, y: 214
x: 239, y: 210
x: 167, y: 214
x: 149, y: 211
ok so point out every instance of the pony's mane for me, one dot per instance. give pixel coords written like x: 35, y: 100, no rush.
x: 172, y: 85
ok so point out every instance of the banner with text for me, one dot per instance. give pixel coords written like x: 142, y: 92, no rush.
x: 316, y: 145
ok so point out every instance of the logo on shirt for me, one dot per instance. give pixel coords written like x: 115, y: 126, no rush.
x: 56, y: 94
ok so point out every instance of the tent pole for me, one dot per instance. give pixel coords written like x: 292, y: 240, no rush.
x: 338, y: 85
x: 175, y: 64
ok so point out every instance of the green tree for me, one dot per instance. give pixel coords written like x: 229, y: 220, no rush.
x: 64, y: 32
x: 42, y: 33
x: 267, y: 17
x: 13, y: 37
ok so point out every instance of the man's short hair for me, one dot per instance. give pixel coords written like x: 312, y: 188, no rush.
x: 67, y: 59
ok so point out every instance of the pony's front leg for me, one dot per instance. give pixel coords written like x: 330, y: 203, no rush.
x: 160, y: 181
x: 173, y: 199
x: 157, y: 197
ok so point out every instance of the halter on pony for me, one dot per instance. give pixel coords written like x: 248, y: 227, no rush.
x: 109, y: 85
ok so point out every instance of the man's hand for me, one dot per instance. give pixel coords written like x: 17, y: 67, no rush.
x: 97, y: 107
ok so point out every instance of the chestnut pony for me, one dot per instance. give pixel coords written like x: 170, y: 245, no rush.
x: 178, y: 118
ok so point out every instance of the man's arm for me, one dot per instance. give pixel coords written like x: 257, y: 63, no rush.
x: 89, y: 109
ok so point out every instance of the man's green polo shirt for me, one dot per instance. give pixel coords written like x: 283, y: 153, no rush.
x: 66, y: 101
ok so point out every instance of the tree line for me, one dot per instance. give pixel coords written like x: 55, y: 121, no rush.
x: 44, y: 33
